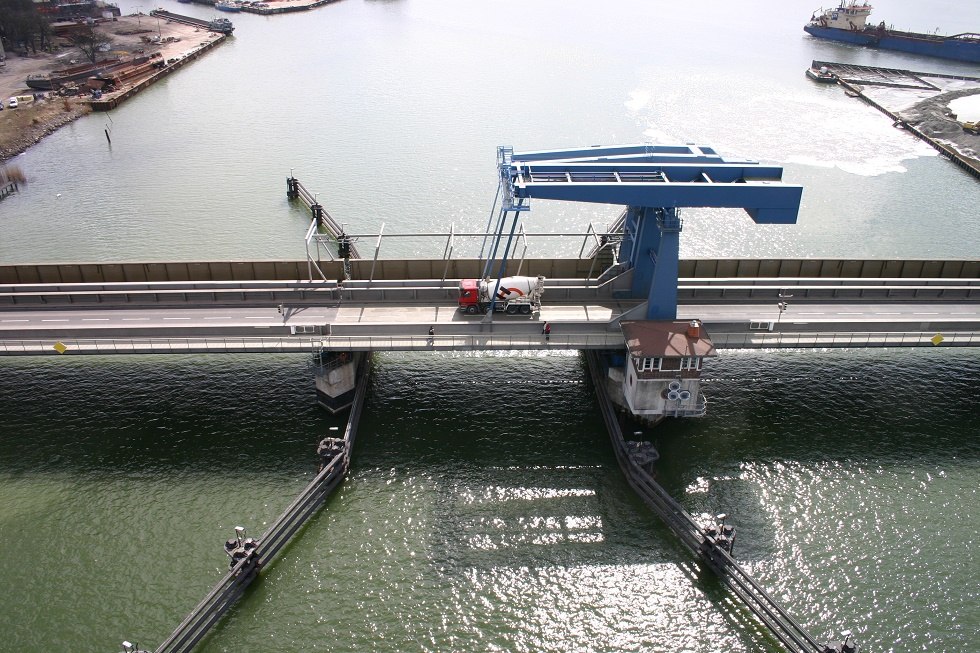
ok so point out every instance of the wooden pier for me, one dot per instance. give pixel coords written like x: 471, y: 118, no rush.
x: 8, y: 180
x: 296, y: 190
x: 7, y: 188
x: 894, y: 77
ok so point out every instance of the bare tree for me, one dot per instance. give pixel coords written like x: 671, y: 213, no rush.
x: 90, y: 41
x: 42, y: 28
x: 19, y: 22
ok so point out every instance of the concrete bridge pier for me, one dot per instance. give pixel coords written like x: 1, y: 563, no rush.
x: 336, y: 378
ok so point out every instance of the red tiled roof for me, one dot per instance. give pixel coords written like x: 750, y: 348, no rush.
x: 651, y: 338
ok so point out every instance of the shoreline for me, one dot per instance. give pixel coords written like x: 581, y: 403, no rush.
x: 31, y: 122
x: 130, y: 38
x: 35, y: 131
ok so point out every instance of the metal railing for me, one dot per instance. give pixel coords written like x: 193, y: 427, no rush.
x: 311, y: 343
x: 699, y: 542
x: 708, y: 291
x: 195, y: 626
x: 830, y: 339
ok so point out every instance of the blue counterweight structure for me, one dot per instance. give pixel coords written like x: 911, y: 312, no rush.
x: 653, y: 182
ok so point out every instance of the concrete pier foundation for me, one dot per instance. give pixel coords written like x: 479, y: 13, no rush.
x: 336, y: 379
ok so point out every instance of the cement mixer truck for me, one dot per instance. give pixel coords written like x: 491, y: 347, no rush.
x: 515, y: 295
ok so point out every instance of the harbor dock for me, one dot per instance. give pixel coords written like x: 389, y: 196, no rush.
x: 126, y: 84
x: 917, y: 102
x: 132, y: 86
x: 269, y: 7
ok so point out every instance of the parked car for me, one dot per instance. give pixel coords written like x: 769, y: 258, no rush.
x: 12, y: 103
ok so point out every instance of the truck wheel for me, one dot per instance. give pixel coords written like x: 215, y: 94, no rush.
x: 525, y: 310
x: 511, y: 310
x: 484, y: 309
x: 471, y: 309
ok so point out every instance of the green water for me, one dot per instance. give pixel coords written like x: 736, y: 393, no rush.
x: 484, y: 510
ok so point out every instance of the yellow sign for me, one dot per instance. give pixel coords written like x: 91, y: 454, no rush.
x: 936, y: 339
x: 60, y: 347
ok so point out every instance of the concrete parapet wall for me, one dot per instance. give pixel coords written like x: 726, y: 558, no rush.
x: 388, y: 269
x: 829, y: 268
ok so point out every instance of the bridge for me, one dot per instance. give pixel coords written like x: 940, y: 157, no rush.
x: 648, y: 318
x: 630, y: 272
x: 163, y: 310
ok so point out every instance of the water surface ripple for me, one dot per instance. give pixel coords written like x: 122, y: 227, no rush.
x: 484, y: 510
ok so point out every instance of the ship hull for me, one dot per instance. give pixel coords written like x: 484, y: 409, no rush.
x: 59, y: 78
x: 924, y: 44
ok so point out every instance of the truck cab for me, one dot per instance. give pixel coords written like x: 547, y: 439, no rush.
x: 469, y: 296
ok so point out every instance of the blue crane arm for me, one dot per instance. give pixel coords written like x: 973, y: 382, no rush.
x: 639, y: 153
x: 755, y: 189
x: 653, y: 176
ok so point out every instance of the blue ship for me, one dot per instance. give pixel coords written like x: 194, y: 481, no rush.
x: 847, y: 23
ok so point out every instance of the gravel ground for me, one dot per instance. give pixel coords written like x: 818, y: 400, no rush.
x: 929, y: 112
x: 933, y: 118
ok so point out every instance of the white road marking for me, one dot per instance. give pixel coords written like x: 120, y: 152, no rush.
x: 95, y: 319
x: 54, y: 320
x: 135, y: 319
x: 176, y: 318
x: 14, y: 320
x: 925, y: 313
x: 223, y: 317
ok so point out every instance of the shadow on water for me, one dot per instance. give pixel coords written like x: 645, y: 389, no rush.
x: 161, y: 415
x: 489, y: 481
x: 889, y: 407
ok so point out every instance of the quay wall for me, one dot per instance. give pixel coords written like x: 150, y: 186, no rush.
x: 394, y: 269
x: 967, y: 164
x: 108, y: 103
x: 285, y: 9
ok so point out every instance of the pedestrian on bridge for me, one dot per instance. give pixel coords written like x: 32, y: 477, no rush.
x: 432, y: 336
x: 546, y: 331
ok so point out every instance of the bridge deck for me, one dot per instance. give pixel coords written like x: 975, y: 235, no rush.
x: 396, y: 315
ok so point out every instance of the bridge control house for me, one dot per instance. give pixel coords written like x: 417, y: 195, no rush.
x: 663, y: 369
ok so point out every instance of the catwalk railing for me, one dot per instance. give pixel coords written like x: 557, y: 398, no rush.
x: 229, y: 589
x: 697, y: 540
x: 488, y: 342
